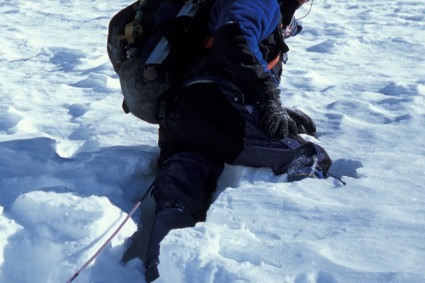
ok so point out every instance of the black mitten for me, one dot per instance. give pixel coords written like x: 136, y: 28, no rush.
x: 274, y: 119
x: 305, y: 124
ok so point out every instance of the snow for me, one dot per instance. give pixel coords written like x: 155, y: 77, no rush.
x: 72, y: 165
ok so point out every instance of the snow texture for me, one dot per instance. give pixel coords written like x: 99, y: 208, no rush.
x: 72, y: 165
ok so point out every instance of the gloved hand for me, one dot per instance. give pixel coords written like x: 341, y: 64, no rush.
x: 274, y: 119
x: 305, y: 124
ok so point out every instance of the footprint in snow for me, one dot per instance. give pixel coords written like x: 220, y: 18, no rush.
x: 66, y: 59
x: 77, y: 110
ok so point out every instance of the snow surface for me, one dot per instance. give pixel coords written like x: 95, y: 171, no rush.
x: 72, y: 164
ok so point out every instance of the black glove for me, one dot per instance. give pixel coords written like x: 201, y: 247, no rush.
x: 274, y: 119
x: 305, y: 124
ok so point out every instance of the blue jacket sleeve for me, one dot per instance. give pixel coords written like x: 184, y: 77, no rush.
x: 238, y: 26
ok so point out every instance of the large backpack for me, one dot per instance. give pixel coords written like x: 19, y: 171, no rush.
x: 150, y: 44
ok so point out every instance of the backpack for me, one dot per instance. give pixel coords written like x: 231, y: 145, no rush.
x: 150, y: 45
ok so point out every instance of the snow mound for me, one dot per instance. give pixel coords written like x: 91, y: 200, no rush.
x: 60, y: 232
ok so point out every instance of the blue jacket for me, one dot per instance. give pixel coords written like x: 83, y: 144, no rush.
x: 238, y: 28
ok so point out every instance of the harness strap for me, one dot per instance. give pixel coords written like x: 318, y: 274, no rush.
x: 208, y: 44
x: 273, y: 63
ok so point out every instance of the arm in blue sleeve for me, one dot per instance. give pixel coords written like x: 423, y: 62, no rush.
x: 241, y: 26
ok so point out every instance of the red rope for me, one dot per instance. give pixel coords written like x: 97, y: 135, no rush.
x: 105, y: 244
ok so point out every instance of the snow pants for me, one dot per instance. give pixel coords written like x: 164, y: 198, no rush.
x: 215, y: 120
x: 208, y: 124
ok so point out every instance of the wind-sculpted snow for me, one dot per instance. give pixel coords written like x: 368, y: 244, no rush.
x: 59, y: 231
x: 72, y: 164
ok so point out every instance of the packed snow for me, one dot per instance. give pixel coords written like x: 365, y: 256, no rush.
x: 72, y: 164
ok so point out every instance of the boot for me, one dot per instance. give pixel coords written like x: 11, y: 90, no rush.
x: 165, y: 220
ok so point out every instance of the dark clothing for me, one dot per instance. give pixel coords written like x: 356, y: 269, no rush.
x: 213, y: 118
x: 238, y: 27
x: 186, y: 181
x: 206, y: 126
x: 183, y: 190
x: 202, y: 120
x: 165, y: 220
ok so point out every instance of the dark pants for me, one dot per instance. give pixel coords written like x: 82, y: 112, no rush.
x: 207, y: 125
x: 215, y: 120
x: 182, y: 190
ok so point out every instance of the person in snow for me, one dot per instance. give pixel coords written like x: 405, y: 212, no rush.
x: 228, y: 110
